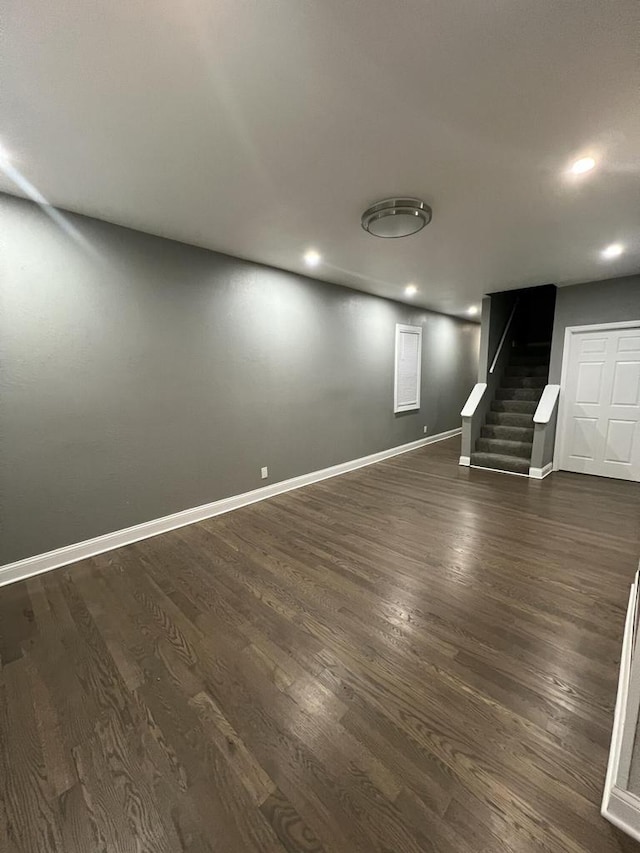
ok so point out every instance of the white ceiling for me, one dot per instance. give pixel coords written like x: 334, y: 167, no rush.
x: 264, y: 127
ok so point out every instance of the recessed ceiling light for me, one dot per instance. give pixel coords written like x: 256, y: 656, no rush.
x: 613, y: 251
x: 312, y: 258
x: 410, y: 290
x: 584, y: 164
x: 472, y: 310
x: 396, y: 217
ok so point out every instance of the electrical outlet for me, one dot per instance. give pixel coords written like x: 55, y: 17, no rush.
x: 264, y: 473
x: 424, y: 429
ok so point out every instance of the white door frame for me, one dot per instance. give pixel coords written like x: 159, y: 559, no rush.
x: 562, y: 412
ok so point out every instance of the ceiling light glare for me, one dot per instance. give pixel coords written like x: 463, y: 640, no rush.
x: 584, y: 164
x: 613, y: 251
x: 472, y: 310
x: 312, y: 258
x: 410, y: 290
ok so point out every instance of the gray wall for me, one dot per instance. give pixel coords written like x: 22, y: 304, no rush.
x: 142, y: 376
x: 596, y: 302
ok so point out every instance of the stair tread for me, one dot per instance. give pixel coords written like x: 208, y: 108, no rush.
x: 504, y: 456
x: 524, y: 419
x: 515, y: 406
x: 528, y: 394
x: 504, y: 446
x: 507, y: 432
x: 500, y: 462
x: 523, y: 382
x: 525, y: 370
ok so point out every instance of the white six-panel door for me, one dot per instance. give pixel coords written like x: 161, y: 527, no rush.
x: 600, y: 424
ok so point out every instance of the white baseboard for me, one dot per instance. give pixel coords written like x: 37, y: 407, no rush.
x: 622, y: 809
x: 541, y: 473
x: 465, y: 460
x: 12, y: 572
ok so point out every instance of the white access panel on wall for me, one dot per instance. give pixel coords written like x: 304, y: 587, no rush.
x: 406, y: 396
x: 600, y: 423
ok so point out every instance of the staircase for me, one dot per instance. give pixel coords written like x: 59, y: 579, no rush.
x: 506, y: 439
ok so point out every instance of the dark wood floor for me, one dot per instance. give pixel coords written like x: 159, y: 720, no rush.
x: 411, y: 657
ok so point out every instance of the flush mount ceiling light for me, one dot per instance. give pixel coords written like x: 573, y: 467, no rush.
x: 410, y: 290
x: 396, y: 217
x: 312, y: 258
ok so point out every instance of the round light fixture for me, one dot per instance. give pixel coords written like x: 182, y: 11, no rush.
x: 410, y: 290
x: 312, y: 258
x: 613, y: 251
x: 584, y: 164
x: 472, y: 310
x: 396, y: 217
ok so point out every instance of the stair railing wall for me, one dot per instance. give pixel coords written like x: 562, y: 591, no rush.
x: 545, y: 421
x: 471, y: 423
